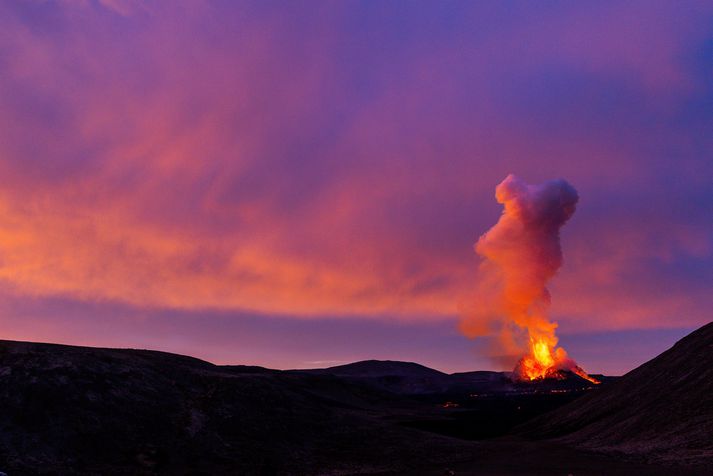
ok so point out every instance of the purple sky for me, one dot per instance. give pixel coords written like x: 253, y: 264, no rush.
x: 284, y: 183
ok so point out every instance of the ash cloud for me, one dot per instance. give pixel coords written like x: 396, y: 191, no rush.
x: 520, y: 254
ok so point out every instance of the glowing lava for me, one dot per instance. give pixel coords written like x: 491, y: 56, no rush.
x: 539, y: 362
x: 544, y: 361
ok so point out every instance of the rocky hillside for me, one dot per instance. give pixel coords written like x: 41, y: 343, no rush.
x: 87, y: 411
x: 75, y: 410
x: 662, y: 411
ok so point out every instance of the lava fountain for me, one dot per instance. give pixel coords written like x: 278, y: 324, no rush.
x: 520, y: 254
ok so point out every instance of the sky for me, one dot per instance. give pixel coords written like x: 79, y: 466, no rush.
x: 301, y: 183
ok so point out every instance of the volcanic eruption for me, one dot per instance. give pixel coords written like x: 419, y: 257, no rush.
x: 520, y: 254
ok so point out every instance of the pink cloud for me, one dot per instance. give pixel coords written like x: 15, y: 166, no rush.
x: 192, y: 157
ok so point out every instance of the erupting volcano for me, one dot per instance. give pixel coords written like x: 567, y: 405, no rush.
x: 544, y: 362
x: 521, y: 253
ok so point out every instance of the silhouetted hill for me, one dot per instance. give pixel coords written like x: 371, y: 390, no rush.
x: 247, y: 369
x: 381, y: 368
x: 77, y: 410
x: 660, y: 411
x: 409, y: 378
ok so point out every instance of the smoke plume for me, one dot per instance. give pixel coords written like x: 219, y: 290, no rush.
x: 521, y: 253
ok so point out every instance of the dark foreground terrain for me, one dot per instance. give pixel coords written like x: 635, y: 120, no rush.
x: 660, y: 412
x: 76, y: 410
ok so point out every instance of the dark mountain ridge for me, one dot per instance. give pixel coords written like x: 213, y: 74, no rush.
x: 410, y: 378
x: 79, y: 410
x: 661, y: 411
x: 380, y: 368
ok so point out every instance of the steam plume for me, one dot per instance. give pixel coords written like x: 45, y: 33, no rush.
x: 521, y: 253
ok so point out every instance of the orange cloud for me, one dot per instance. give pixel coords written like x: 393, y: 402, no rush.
x: 198, y: 156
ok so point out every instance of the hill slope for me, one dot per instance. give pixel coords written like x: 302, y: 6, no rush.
x: 410, y: 378
x: 380, y: 368
x: 406, y: 378
x: 661, y: 411
x: 76, y: 410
